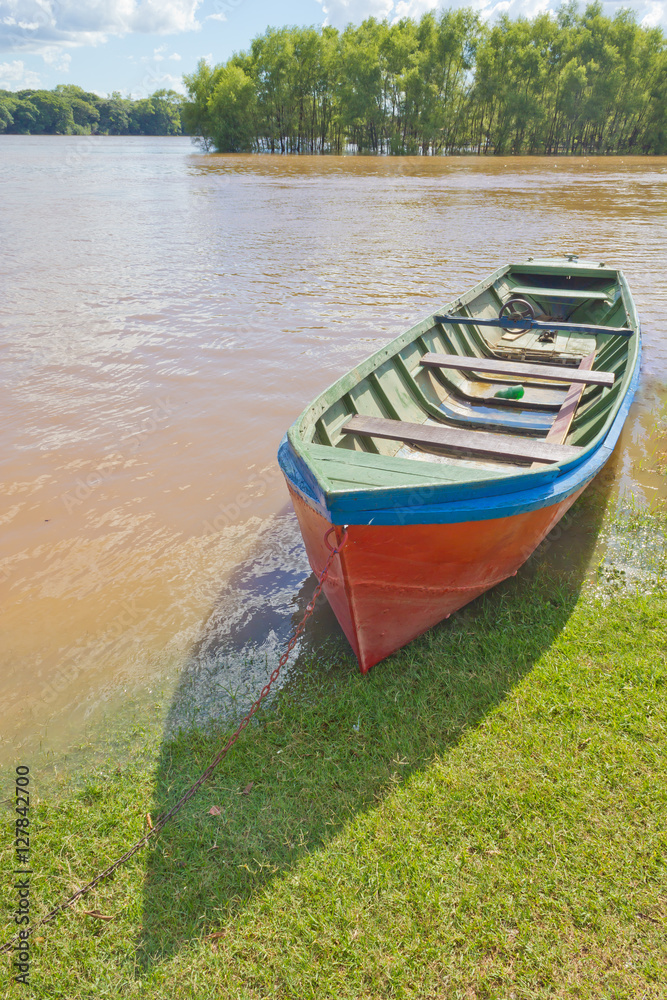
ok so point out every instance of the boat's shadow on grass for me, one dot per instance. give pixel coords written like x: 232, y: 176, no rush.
x: 334, y: 743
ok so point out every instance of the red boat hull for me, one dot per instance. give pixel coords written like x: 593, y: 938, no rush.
x: 391, y: 583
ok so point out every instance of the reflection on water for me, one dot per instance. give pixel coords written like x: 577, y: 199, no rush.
x: 251, y: 621
x: 632, y: 549
x: 165, y: 315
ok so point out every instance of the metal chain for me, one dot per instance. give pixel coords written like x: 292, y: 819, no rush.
x: 164, y: 819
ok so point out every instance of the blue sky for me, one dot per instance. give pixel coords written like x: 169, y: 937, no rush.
x: 137, y: 46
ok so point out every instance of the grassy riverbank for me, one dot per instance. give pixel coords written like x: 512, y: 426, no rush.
x: 482, y: 816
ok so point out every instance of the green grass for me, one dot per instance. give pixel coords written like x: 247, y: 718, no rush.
x: 484, y: 815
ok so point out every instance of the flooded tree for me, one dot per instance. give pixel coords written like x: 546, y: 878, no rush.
x: 572, y: 83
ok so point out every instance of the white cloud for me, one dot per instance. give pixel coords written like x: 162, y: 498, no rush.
x: 153, y: 81
x: 515, y: 8
x: 489, y: 12
x: 159, y: 55
x: 54, y: 57
x: 412, y: 8
x: 225, y: 7
x: 14, y: 76
x: 73, y: 22
x: 656, y: 14
x: 342, y: 12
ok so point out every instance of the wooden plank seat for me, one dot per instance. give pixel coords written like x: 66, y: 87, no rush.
x: 492, y: 366
x: 463, y: 443
x: 535, y: 324
x: 564, y: 294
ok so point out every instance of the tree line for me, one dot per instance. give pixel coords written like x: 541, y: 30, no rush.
x: 573, y: 83
x: 70, y: 110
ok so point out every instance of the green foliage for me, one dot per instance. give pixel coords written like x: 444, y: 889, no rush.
x: 231, y: 107
x: 7, y: 105
x: 70, y: 110
x: 42, y: 111
x: 574, y: 83
x: 156, y: 115
x: 200, y: 86
x: 114, y: 116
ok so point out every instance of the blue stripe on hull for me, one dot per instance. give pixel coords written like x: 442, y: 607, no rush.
x: 545, y: 490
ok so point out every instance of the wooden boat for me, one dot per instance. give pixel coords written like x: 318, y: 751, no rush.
x: 439, y: 481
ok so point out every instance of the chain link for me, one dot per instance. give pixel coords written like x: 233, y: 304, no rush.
x: 162, y: 821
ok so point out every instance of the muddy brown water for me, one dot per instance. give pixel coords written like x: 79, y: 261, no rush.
x: 164, y: 316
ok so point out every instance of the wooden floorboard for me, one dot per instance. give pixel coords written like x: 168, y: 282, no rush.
x: 462, y: 442
x: 561, y: 425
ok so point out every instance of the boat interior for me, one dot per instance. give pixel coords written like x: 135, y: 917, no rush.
x: 524, y: 370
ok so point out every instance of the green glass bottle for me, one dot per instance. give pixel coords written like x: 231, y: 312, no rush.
x: 511, y: 392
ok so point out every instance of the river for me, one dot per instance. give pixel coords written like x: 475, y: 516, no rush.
x: 164, y: 316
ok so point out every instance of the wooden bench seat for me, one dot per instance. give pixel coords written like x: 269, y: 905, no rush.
x: 536, y: 324
x: 492, y: 366
x: 473, y: 444
x: 564, y: 294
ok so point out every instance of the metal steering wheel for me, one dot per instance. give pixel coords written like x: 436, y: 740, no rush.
x: 516, y: 309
